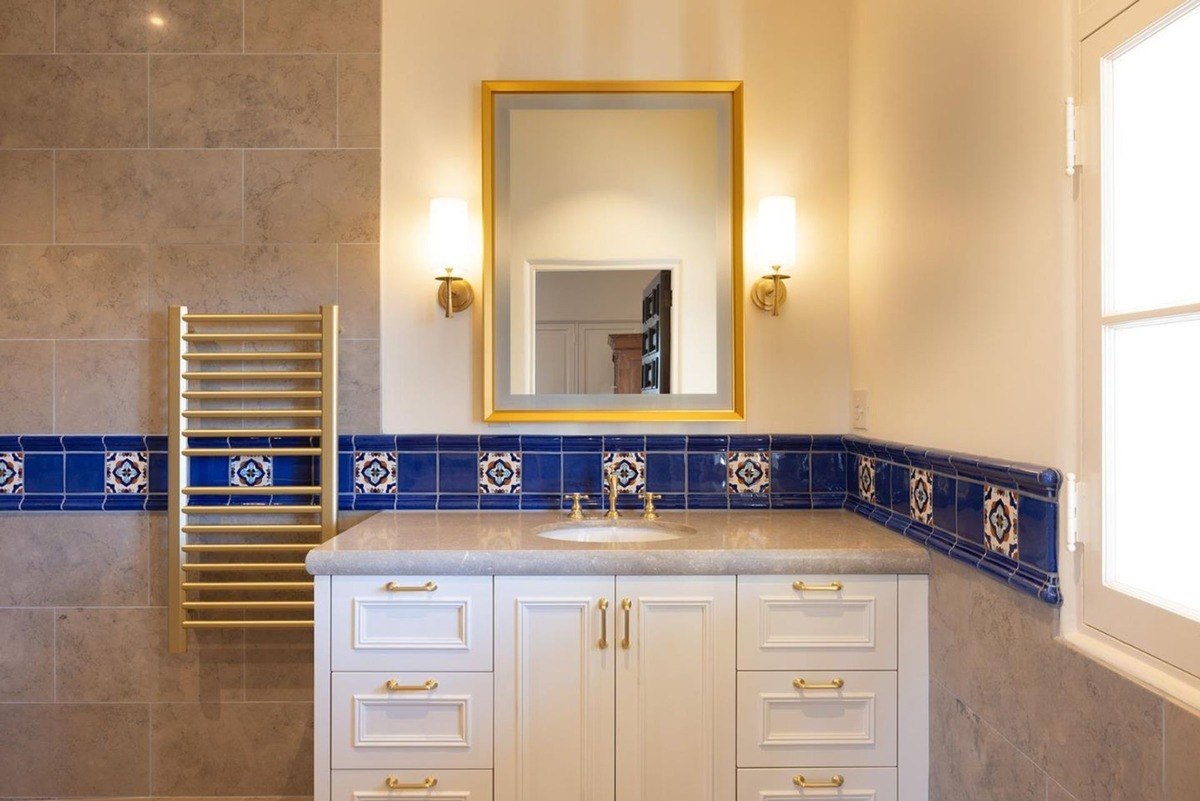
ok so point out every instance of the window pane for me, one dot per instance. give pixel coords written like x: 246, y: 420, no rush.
x: 1152, y: 143
x: 1152, y: 533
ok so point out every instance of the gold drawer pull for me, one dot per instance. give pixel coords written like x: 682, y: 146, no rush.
x: 833, y: 586
x: 429, y: 586
x: 625, y: 606
x: 603, y: 605
x: 396, y: 687
x: 395, y: 784
x: 836, y: 684
x: 803, y: 783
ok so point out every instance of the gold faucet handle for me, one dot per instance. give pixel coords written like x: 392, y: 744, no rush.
x: 648, y: 499
x: 577, y: 499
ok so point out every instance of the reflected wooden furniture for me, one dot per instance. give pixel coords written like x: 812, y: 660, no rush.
x: 627, y: 363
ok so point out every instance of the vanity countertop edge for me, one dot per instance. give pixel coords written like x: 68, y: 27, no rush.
x: 725, y: 543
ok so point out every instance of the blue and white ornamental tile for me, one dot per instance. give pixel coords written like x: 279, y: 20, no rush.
x: 630, y: 469
x: 375, y: 472
x: 250, y: 471
x: 920, y: 495
x: 127, y: 472
x: 12, y: 473
x: 749, y: 471
x: 1000, y: 521
x: 500, y: 473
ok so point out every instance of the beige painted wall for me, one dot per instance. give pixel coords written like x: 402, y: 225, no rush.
x: 792, y: 56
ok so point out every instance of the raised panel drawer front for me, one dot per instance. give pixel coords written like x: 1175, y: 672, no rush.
x: 411, y: 720
x: 857, y: 784
x: 412, y: 623
x: 816, y: 622
x: 382, y: 785
x: 842, y: 719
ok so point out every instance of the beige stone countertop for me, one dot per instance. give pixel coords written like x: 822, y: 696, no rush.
x: 725, y: 542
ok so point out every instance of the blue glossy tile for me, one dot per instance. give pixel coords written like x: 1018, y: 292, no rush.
x: 919, y: 532
x: 345, y: 472
x: 157, y: 443
x: 624, y: 443
x: 883, y: 487
x: 791, y: 500
x: 1037, y: 532
x: 581, y: 472
x: 10, y: 503
x: 668, y: 442
x: 82, y: 444
x: 83, y: 503
x: 9, y: 444
x: 43, y: 472
x: 581, y: 443
x: 458, y: 472
x: 790, y: 472
x: 997, y: 565
x: 666, y: 472
x: 416, y: 503
x: 124, y: 502
x: 672, y: 500
x: 791, y: 442
x: 416, y: 472
x: 541, y: 472
x: 458, y: 442
x: 125, y: 443
x: 945, y: 489
x: 539, y: 501
x: 209, y: 471
x: 827, y: 442
x: 156, y: 502
x: 85, y: 472
x: 500, y: 502
x: 250, y: 442
x: 459, y: 502
x: 828, y: 500
x: 302, y: 470
x: 417, y: 442
x: 48, y: 444
x: 1028, y: 579
x: 749, y: 500
x: 48, y: 502
x: 828, y: 471
x: 345, y: 442
x: 1052, y: 592
x: 749, y: 442
x: 707, y: 500
x: 374, y: 442
x: 968, y: 502
x: 708, y: 442
x: 898, y: 487
x: 706, y: 472
x: 544, y: 444
x: 346, y: 501
x: 366, y: 501
x: 967, y: 551
x: 159, y: 462
x: 493, y: 443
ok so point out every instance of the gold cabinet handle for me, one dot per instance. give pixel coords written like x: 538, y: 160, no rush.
x: 603, y: 605
x: 395, y: 784
x: 833, y: 586
x: 626, y: 604
x: 429, y: 586
x: 394, y: 686
x: 836, y: 684
x: 805, y: 784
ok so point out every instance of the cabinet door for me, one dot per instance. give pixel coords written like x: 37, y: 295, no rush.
x: 554, y: 688
x: 676, y: 688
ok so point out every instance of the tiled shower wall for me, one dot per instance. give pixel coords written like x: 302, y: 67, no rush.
x: 218, y: 153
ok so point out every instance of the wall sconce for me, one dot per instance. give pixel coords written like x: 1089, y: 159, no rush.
x: 448, y: 251
x: 777, y: 247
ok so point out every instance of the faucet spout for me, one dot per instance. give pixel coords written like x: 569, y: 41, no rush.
x: 614, y: 488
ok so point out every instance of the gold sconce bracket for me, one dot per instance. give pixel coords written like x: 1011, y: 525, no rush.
x: 454, y: 293
x: 769, y: 292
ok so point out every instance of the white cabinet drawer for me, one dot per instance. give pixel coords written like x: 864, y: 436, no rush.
x: 381, y: 785
x: 412, y: 623
x: 426, y: 720
x: 780, y: 724
x: 840, y: 623
x: 858, y: 784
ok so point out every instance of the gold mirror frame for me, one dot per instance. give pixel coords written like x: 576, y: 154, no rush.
x: 737, y: 290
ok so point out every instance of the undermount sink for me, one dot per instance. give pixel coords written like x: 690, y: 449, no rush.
x: 604, y: 530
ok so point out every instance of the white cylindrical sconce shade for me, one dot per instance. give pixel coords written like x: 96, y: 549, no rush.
x: 448, y: 224
x: 777, y: 231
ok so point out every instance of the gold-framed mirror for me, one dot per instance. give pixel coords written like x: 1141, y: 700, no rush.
x: 612, y: 216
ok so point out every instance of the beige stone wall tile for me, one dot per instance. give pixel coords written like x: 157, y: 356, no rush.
x: 74, y: 559
x: 243, y: 101
x: 73, y: 101
x: 1181, y: 765
x: 67, y: 750
x: 26, y: 196
x: 358, y: 290
x: 312, y: 196
x: 116, y: 655
x: 27, y: 26
x: 27, y: 655
x: 128, y: 26
x: 73, y: 292
x: 27, y: 386
x: 358, y: 386
x: 110, y: 387
x: 313, y: 26
x: 232, y: 749
x: 279, y: 665
x: 358, y: 100
x: 151, y: 196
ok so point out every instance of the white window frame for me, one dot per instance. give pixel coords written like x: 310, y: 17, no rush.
x: 1144, y: 640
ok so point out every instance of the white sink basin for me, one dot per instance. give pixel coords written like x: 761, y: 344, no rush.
x: 614, y: 531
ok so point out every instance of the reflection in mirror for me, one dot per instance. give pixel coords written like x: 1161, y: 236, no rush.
x: 614, y: 230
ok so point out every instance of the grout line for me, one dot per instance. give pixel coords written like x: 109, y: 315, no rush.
x: 54, y: 653
x: 337, y: 99
x: 54, y: 195
x: 54, y: 387
x: 243, y: 197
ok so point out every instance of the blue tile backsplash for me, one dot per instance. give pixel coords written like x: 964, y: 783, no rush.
x: 1000, y: 517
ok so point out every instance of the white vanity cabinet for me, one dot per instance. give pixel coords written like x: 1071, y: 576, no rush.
x: 622, y: 688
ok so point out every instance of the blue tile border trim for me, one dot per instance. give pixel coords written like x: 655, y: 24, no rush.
x: 997, y: 516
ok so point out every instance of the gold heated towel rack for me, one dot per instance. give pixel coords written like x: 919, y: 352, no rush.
x: 234, y: 377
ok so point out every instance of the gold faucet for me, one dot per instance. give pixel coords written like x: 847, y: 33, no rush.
x: 648, y: 510
x: 614, y: 488
x: 577, y: 499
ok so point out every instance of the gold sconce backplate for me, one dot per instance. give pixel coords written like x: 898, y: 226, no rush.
x: 457, y: 289
x: 769, y: 294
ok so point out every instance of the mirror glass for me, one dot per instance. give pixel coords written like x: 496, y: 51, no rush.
x: 613, y: 217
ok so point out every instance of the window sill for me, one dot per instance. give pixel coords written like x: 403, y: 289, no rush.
x: 1161, y: 677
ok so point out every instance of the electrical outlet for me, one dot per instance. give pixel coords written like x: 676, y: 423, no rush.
x: 860, y: 407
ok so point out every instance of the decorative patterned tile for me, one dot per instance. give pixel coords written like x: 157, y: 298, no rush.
x: 12, y: 473
x: 629, y: 468
x: 866, y: 478
x: 127, y: 472
x: 920, y: 495
x: 1000, y: 523
x: 375, y: 472
x: 250, y: 471
x: 748, y: 471
x: 500, y: 472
